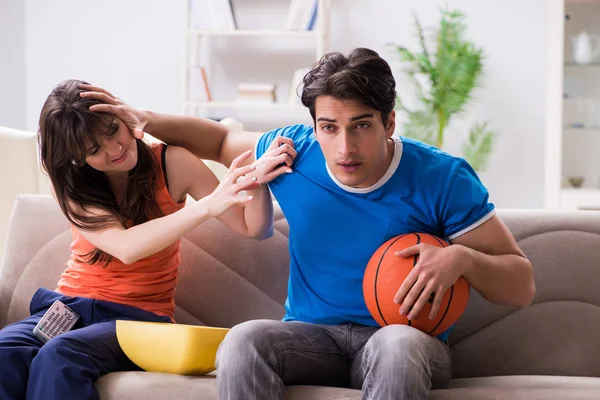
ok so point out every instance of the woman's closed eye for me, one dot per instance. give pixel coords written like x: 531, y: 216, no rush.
x: 92, y: 151
x: 114, y: 128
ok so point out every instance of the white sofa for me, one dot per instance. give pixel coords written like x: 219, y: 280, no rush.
x: 20, y: 172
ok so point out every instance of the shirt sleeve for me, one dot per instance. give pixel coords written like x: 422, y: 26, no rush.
x: 298, y: 133
x: 466, y: 204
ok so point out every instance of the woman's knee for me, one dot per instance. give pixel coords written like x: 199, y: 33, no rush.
x: 53, y: 348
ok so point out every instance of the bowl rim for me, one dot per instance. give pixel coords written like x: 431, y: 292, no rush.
x: 202, y: 327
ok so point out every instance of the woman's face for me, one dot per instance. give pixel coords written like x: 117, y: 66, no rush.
x: 117, y: 152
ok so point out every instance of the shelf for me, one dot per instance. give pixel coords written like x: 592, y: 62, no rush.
x: 251, y: 32
x: 582, y: 1
x: 581, y: 199
x: 574, y: 64
x: 582, y: 127
x: 233, y: 104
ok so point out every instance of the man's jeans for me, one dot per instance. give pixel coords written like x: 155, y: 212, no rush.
x: 258, y: 358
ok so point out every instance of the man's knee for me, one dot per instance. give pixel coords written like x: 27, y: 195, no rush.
x: 399, y: 342
x: 245, y: 340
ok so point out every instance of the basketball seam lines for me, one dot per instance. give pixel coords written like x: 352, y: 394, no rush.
x: 415, y: 260
x: 377, y: 273
x: 443, y: 244
x: 445, y: 312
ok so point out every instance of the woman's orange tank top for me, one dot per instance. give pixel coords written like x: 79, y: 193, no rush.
x: 148, y: 284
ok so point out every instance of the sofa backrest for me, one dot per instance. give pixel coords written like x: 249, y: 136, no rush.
x: 20, y: 172
x: 558, y: 333
x: 226, y: 279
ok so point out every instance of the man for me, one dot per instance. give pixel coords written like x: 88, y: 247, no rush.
x: 353, y: 186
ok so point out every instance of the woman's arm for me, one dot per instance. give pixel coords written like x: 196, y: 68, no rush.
x: 187, y: 174
x: 140, y: 241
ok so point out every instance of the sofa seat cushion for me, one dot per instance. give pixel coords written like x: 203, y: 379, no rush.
x: 156, y: 386
x: 523, y: 387
x: 530, y: 381
x: 139, y: 385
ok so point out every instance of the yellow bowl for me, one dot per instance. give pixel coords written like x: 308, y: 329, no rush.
x: 170, y: 348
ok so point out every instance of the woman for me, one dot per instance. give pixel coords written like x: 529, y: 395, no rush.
x: 125, y: 201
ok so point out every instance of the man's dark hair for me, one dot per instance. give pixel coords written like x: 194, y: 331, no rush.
x: 362, y: 76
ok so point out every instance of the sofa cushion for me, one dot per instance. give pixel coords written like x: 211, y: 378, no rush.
x: 216, y: 264
x: 155, y: 386
x: 556, y: 335
x: 135, y: 385
x: 511, y: 393
x: 226, y: 279
x: 18, y: 152
x: 521, y: 387
x: 529, y: 382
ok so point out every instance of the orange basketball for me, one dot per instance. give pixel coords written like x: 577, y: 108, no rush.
x: 386, y: 272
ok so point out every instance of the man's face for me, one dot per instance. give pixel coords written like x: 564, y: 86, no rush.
x: 353, y: 140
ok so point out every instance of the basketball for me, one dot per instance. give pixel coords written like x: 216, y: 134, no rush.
x: 385, y: 273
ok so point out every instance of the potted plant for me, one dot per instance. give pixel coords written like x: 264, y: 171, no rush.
x: 444, y: 72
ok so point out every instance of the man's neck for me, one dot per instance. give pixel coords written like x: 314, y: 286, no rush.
x: 390, y: 147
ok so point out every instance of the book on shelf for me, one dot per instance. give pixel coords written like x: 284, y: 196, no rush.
x: 199, y: 88
x: 302, y: 15
x: 310, y: 17
x: 260, y: 93
x: 222, y: 14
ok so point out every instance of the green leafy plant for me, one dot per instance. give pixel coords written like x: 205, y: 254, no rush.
x: 444, y: 72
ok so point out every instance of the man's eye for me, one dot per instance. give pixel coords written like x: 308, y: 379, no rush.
x: 328, y: 128
x: 363, y: 125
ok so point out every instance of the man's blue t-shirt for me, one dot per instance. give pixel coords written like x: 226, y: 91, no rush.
x: 335, y: 229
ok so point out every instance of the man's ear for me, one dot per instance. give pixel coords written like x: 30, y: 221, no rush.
x: 391, y: 124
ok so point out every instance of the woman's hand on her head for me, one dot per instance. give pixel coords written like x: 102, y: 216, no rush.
x: 277, y: 160
x: 228, y: 193
x: 135, y: 119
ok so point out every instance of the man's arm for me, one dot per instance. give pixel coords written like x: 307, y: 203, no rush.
x: 205, y: 138
x: 188, y: 174
x: 495, y: 265
x: 489, y: 259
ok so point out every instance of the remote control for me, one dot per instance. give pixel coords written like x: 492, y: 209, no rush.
x: 58, y: 319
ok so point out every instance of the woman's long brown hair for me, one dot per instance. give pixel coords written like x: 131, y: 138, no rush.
x: 67, y: 130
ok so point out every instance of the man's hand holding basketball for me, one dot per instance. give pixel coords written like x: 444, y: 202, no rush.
x: 436, y: 270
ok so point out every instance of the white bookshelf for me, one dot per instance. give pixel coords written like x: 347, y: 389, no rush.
x: 194, y: 41
x: 254, y: 32
x: 243, y: 105
x: 580, y: 199
x: 572, y: 147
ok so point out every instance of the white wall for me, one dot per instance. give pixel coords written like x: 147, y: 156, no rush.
x: 133, y: 48
x: 12, y: 63
x: 512, y: 99
x: 136, y: 49
x: 513, y: 96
